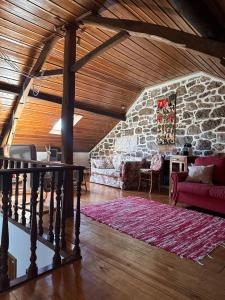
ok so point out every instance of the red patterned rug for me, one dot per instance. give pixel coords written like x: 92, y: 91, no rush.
x: 186, y: 233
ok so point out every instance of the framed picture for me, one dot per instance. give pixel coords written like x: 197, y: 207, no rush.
x: 166, y: 120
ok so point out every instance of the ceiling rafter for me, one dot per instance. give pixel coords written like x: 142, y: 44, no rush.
x: 9, y: 88
x: 164, y: 34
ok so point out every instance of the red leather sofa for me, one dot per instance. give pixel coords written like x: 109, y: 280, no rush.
x: 208, y: 196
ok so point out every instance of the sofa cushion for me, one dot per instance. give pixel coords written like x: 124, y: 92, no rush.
x: 200, y: 189
x: 219, y: 167
x: 217, y: 192
x: 107, y: 172
x: 117, y: 161
x: 201, y: 174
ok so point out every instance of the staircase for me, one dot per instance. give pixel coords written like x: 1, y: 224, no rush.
x: 23, y: 188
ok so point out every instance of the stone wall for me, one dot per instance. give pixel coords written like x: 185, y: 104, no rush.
x: 200, y: 119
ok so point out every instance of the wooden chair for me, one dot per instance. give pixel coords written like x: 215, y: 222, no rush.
x: 149, y: 174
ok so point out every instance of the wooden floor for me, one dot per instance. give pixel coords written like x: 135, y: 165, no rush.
x: 116, y: 266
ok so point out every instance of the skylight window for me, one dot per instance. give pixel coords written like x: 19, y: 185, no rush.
x: 56, y: 129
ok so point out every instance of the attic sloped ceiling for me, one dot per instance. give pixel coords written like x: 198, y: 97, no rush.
x: 110, y: 81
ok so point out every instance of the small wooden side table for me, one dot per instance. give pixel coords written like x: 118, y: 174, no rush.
x: 179, y: 163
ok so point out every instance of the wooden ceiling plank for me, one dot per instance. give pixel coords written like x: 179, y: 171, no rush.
x: 8, y: 132
x: 159, y: 17
x: 158, y: 50
x: 116, y: 39
x: 23, y: 14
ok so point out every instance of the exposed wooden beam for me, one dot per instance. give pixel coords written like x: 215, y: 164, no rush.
x: 49, y: 73
x: 67, y: 114
x: 161, y: 33
x: 113, y: 41
x: 13, y: 89
x: 118, y: 38
x: 9, y: 130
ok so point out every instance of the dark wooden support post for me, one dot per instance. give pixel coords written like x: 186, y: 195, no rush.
x: 4, y: 279
x: 67, y: 114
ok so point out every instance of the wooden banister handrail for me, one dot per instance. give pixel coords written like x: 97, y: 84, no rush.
x: 40, y: 169
x: 36, y: 162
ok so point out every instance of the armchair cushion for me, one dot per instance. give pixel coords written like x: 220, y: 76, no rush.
x: 201, y: 174
x: 219, y: 167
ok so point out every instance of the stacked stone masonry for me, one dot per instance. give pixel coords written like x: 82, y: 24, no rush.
x: 200, y: 119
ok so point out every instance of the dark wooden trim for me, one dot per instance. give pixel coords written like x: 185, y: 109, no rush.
x: 116, y: 39
x: 9, y: 88
x: 164, y: 34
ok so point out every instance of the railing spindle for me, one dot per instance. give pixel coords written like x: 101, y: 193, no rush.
x: 57, y: 257
x: 41, y: 204
x: 5, y: 164
x: 24, y: 196
x: 33, y: 269
x: 51, y: 210
x: 76, y: 249
x: 4, y: 279
x: 11, y: 166
x: 32, y: 165
x: 18, y: 164
x: 63, y: 216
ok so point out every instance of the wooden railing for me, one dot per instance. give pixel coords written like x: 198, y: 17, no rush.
x: 23, y: 204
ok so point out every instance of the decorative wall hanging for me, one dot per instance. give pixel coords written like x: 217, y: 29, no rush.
x: 166, y: 120
x: 126, y: 144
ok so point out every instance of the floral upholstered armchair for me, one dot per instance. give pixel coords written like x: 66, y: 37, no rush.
x: 115, y: 172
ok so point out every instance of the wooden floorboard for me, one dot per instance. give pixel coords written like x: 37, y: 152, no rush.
x: 116, y: 266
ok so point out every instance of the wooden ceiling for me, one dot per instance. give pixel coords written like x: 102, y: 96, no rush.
x: 110, y: 81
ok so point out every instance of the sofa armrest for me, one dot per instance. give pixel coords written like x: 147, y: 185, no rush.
x: 177, y: 177
x: 130, y: 173
x: 92, y: 163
